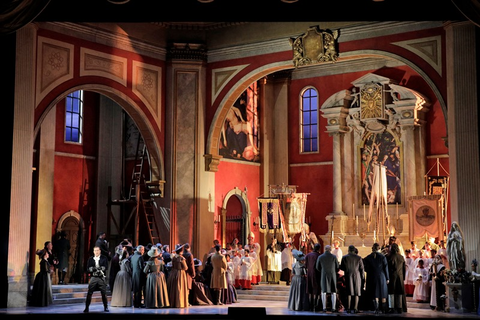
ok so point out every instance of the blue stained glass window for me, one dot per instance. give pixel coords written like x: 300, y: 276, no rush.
x: 74, y: 117
x: 309, y: 121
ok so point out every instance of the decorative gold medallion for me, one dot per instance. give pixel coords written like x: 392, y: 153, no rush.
x: 371, y: 102
x: 315, y: 46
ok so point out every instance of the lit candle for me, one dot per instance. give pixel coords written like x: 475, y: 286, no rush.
x: 397, y: 210
x: 364, y: 215
x: 356, y: 223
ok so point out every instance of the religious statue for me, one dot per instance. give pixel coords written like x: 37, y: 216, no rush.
x: 456, y: 248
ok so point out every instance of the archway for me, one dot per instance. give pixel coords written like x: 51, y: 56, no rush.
x: 149, y: 137
x: 134, y: 111
x: 212, y: 147
x: 74, y: 226
x: 237, y: 215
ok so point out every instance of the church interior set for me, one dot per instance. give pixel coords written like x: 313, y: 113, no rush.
x: 350, y: 128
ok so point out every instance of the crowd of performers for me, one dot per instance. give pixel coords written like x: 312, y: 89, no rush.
x: 330, y: 281
x: 320, y: 280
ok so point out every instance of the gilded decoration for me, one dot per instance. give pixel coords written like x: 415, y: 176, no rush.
x: 371, y: 102
x: 315, y: 46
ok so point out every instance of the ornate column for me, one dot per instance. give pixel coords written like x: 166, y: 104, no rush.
x: 336, y: 119
x: 337, y: 174
x: 463, y: 136
x: 21, y: 185
x: 191, y: 184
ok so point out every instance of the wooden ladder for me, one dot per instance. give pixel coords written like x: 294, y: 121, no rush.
x: 137, y: 168
x: 144, y: 193
x: 147, y: 200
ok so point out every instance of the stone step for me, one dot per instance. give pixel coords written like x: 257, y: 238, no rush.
x: 74, y: 293
x: 280, y: 292
x: 263, y: 291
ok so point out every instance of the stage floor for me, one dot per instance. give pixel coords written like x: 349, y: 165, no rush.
x: 245, y: 309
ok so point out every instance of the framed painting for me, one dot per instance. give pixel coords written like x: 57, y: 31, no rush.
x: 381, y: 148
x: 239, y: 138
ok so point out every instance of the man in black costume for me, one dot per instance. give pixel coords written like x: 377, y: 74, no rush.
x: 97, y: 269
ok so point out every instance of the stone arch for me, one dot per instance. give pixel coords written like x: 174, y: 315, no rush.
x: 212, y: 156
x: 246, y: 212
x: 133, y: 109
x: 73, y: 224
x: 228, y: 100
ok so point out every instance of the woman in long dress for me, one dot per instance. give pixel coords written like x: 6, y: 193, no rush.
x: 156, y: 293
x: 201, y: 291
x: 298, y: 296
x: 230, y: 294
x: 177, y: 280
x: 122, y: 287
x: 42, y: 285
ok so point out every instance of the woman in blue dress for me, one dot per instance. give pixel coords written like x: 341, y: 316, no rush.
x: 298, y: 296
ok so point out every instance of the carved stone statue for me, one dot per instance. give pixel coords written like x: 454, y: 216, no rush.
x: 456, y: 248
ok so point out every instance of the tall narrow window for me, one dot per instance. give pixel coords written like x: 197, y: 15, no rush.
x: 309, y: 121
x: 74, y: 117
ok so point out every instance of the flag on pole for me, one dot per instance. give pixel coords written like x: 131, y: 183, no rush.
x: 379, y: 189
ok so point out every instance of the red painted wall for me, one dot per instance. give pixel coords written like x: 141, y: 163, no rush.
x: 76, y: 171
x: 317, y: 179
x: 236, y: 174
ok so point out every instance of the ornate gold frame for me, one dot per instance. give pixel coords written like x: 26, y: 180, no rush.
x: 315, y: 46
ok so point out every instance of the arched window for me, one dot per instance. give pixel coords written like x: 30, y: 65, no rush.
x: 74, y: 117
x: 309, y: 121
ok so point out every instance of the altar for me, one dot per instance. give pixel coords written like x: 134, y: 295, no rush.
x: 459, y: 298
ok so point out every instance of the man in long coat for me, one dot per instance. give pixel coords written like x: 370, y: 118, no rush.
x: 352, y: 266
x: 313, y: 276
x: 327, y: 265
x: 62, y: 249
x: 376, y: 267
x: 138, y: 276
x: 102, y: 243
x: 189, y: 259
x: 218, y: 281
x: 396, y: 286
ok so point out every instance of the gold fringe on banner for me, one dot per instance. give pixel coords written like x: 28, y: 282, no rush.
x: 275, y: 212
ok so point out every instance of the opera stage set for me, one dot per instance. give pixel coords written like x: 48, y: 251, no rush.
x: 351, y: 125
